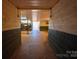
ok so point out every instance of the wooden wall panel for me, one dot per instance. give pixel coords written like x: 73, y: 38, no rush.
x: 64, y: 16
x: 11, y: 40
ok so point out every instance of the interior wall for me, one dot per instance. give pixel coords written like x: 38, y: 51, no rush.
x: 44, y: 23
x: 44, y: 15
x: 41, y: 14
x: 11, y: 38
x: 9, y: 15
x: 64, y: 16
x: 27, y: 13
x: 62, y: 34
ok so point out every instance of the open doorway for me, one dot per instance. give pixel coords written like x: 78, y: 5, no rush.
x: 34, y: 20
x: 34, y: 24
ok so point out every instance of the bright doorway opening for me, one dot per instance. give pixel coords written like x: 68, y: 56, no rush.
x: 34, y: 19
x: 36, y: 26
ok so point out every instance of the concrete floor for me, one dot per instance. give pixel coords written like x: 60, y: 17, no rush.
x: 34, y: 46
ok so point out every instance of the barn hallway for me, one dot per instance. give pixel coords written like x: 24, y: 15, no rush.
x: 39, y: 29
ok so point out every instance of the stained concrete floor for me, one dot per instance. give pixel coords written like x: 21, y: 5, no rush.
x: 34, y: 46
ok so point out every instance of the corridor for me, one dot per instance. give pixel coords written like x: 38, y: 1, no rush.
x: 39, y: 29
x: 34, y: 46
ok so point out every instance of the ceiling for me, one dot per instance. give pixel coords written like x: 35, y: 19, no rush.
x: 34, y: 4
